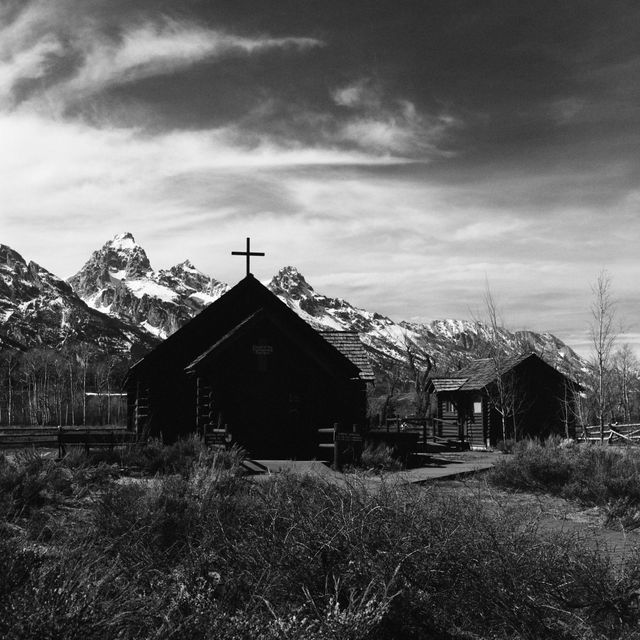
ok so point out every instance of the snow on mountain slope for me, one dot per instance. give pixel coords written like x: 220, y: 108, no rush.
x: 450, y: 343
x: 381, y: 335
x: 118, y: 280
x: 39, y: 309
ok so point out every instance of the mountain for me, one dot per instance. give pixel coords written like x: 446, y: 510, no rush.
x: 118, y: 302
x: 39, y: 309
x: 449, y: 343
x: 118, y: 280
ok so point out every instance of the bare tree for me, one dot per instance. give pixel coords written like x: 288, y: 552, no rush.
x: 9, y: 362
x: 603, y: 337
x: 572, y: 409
x: 419, y: 376
x: 508, y: 395
x: 625, y: 367
x: 499, y: 397
x: 392, y: 379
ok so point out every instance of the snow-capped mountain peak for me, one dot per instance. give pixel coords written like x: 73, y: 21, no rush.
x: 118, y: 280
x: 37, y: 308
x: 123, y: 242
x: 291, y: 282
x: 187, y: 265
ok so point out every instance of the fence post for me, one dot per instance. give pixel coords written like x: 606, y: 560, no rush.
x: 61, y: 449
x: 336, y: 446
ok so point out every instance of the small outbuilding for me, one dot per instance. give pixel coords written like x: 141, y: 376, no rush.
x: 249, y: 367
x: 505, y: 398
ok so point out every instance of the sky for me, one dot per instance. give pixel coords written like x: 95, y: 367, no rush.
x: 401, y: 153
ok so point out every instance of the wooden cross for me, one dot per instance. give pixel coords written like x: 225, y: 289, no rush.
x: 248, y: 253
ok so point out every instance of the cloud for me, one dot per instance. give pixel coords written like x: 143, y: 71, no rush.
x: 389, y: 125
x: 159, y: 49
x: 56, y: 171
x: 364, y: 119
x: 98, y: 58
x: 31, y: 63
x: 362, y: 93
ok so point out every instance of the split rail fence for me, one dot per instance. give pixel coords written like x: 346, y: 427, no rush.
x: 613, y: 434
x: 62, y: 437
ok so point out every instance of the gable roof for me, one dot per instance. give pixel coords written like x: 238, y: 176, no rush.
x: 221, y: 318
x: 263, y: 315
x: 227, y: 340
x: 447, y: 384
x: 350, y: 345
x: 480, y: 373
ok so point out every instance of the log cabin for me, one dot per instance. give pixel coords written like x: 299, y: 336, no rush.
x: 514, y: 397
x: 250, y: 367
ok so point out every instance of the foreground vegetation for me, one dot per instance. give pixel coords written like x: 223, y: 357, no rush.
x: 200, y: 551
x: 593, y: 475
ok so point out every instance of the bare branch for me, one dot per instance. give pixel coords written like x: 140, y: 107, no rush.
x: 603, y: 337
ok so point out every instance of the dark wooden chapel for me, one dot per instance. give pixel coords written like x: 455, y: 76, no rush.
x: 249, y: 365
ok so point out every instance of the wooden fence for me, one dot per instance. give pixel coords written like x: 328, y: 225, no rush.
x: 425, y: 429
x: 612, y: 434
x: 343, y: 447
x: 62, y: 437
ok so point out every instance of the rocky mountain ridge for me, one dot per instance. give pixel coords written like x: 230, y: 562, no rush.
x: 118, y: 280
x: 39, y: 309
x: 449, y: 343
x: 117, y: 298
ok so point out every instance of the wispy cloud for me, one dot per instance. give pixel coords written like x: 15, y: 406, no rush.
x: 98, y: 59
x: 159, y: 49
x: 380, y: 124
x: 28, y: 64
x: 363, y: 118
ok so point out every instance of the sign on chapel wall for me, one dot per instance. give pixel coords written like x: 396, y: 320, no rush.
x: 262, y: 349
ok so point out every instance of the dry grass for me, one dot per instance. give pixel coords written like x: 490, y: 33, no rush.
x: 592, y: 475
x: 211, y: 554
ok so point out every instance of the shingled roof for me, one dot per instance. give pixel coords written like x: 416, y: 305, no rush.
x: 447, y: 384
x: 348, y: 343
x: 477, y: 375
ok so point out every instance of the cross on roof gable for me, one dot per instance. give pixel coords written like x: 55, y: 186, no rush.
x: 248, y: 253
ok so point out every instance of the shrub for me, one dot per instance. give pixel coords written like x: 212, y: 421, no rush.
x: 30, y: 481
x: 150, y: 458
x: 506, y: 446
x: 534, y: 466
x: 591, y: 474
x: 380, y: 456
x: 216, y: 555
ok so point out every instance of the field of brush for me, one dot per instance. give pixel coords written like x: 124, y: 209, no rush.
x: 177, y: 542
